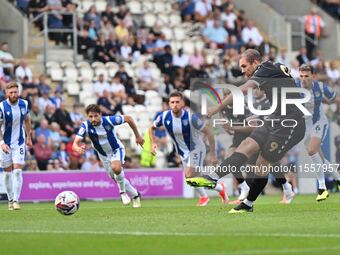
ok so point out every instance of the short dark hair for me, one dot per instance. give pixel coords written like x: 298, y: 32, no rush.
x: 176, y: 94
x: 93, y: 108
x: 252, y: 55
x: 306, y: 68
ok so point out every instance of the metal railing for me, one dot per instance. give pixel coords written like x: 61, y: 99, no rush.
x: 46, y: 30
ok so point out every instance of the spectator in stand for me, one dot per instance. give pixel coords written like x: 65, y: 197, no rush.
x: 42, y: 152
x: 55, y: 135
x: 109, y: 14
x: 250, y: 32
x: 283, y: 58
x: 333, y: 73
x: 31, y: 89
x: 86, y: 44
x: 54, y: 165
x: 63, y: 156
x: 145, y: 79
x: 108, y: 105
x: 101, y: 53
x: 23, y: 71
x: 62, y: 117
x: 7, y: 59
x: 106, y: 27
x: 55, y: 20
x: 118, y: 89
x: 150, y: 44
x: 121, y: 31
x: 92, y: 30
x: 202, y: 8
x: 160, y: 44
x: 126, y: 50
x: 44, y: 130
x: 164, y: 62
x: 138, y: 49
x: 229, y: 18
x: 215, y: 36
x: 31, y: 165
x: 188, y: 10
x: 294, y: 71
x: 44, y: 101
x: 49, y: 114
x: 36, y: 115
x: 101, y: 85
x: 196, y: 59
x: 76, y: 159
x: 166, y: 87
x: 91, y: 164
x: 92, y: 14
x: 302, y: 57
x: 36, y: 7
x: 43, y: 87
x: 320, y: 71
x: 76, y: 116
x: 240, y: 23
x: 180, y: 60
x: 314, y: 26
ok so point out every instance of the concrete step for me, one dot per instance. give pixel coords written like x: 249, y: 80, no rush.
x: 59, y: 55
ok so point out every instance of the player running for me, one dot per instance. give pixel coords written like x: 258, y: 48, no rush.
x: 317, y: 125
x: 273, y: 139
x: 184, y: 129
x: 15, y: 133
x: 111, y: 151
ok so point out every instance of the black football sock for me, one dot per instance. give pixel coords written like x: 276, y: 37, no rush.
x: 256, y: 187
x: 232, y: 164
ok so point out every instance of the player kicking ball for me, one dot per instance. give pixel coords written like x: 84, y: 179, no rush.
x: 317, y: 126
x: 272, y: 139
x: 15, y: 133
x: 185, y: 129
x: 111, y: 151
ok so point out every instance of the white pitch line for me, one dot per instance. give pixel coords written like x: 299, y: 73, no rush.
x: 143, y: 233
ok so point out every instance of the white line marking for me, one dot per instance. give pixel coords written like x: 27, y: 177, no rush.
x: 142, y: 233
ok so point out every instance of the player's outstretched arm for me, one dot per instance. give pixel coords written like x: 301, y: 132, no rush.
x: 211, y: 139
x: 228, y: 100
x: 78, y: 146
x: 153, y: 140
x: 27, y: 126
x: 129, y: 120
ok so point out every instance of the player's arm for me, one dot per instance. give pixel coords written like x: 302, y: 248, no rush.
x: 211, y: 139
x: 27, y: 126
x: 129, y: 120
x: 157, y: 123
x: 228, y: 100
x: 78, y: 146
x: 4, y: 147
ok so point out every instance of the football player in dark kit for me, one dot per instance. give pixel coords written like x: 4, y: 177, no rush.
x: 273, y: 139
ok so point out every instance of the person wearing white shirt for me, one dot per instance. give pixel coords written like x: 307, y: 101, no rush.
x: 7, y: 59
x: 23, y: 71
x: 202, y: 7
x: 145, y: 78
x: 118, y: 89
x: 101, y: 85
x: 283, y: 58
x: 332, y: 72
x: 126, y: 51
x: 229, y: 18
x: 181, y: 59
x: 250, y: 32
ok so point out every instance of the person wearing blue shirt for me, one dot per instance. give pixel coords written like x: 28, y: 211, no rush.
x: 101, y: 131
x: 185, y: 131
x: 317, y: 125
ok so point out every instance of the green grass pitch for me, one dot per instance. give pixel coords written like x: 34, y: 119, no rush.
x: 174, y: 226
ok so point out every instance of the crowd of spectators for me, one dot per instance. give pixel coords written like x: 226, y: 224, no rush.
x: 114, y: 36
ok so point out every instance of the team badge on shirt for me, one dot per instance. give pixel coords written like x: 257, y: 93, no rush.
x: 185, y: 122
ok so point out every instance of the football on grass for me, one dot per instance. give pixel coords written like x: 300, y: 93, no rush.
x: 67, y: 202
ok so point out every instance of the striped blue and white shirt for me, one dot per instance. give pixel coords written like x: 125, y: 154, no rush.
x: 12, y: 118
x: 320, y: 92
x: 184, y: 130
x: 103, y: 137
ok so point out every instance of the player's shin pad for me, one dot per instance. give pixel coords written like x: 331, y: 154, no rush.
x: 202, y: 181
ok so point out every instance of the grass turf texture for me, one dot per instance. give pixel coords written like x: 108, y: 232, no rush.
x: 174, y: 227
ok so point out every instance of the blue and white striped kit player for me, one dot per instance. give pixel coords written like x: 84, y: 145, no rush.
x: 185, y: 134
x: 12, y: 127
x: 317, y: 124
x: 104, y: 139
